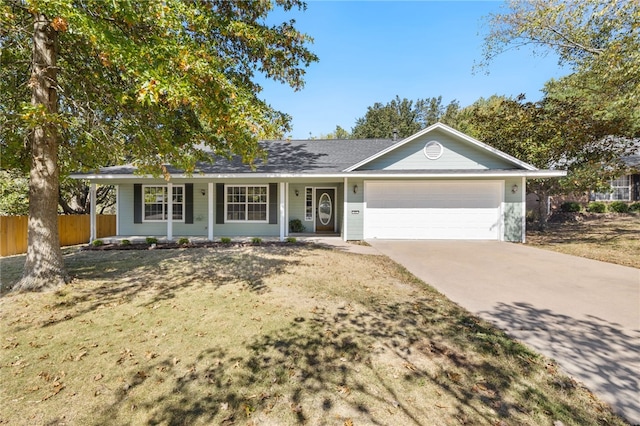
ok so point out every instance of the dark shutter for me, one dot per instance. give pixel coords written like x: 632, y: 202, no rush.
x: 137, y: 203
x: 188, y: 203
x: 219, y: 203
x: 273, y: 203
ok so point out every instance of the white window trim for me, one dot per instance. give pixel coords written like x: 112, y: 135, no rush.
x: 313, y: 201
x: 144, y: 219
x: 226, y: 202
x: 611, y: 194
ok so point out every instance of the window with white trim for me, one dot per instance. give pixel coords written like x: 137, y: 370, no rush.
x: 155, y: 203
x: 308, y: 206
x: 246, y: 203
x: 620, y: 190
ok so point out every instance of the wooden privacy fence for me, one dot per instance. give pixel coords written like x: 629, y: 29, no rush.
x: 74, y: 229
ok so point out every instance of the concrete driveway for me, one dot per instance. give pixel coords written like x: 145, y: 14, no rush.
x: 582, y: 313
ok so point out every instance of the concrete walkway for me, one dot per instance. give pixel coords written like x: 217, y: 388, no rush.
x: 582, y: 313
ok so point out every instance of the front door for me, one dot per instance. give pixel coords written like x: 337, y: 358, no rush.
x: 325, y: 210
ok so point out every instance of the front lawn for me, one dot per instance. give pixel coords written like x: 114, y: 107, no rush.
x: 265, y: 335
x: 613, y: 238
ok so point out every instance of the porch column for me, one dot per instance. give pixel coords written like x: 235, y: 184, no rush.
x: 210, y: 211
x: 286, y: 210
x: 282, y: 211
x: 117, y: 209
x: 92, y: 212
x: 523, y: 191
x: 345, y: 208
x: 170, y: 211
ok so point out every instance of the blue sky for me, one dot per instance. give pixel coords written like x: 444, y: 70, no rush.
x: 371, y: 51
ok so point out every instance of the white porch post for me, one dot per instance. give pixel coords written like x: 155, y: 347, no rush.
x: 169, y: 211
x: 345, y: 207
x: 92, y: 212
x: 282, y: 211
x: 117, y: 209
x: 286, y: 210
x: 210, y: 211
x: 523, y: 188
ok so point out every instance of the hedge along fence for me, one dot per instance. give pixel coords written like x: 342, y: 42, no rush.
x: 73, y: 229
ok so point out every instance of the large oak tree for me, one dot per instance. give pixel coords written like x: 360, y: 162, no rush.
x: 86, y: 82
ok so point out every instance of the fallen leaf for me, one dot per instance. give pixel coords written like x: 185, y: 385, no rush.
x: 57, y: 387
x: 97, y: 377
x: 409, y: 366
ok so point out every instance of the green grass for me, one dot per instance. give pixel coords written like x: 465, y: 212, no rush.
x: 264, y: 335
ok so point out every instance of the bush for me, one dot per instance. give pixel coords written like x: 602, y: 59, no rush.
x: 97, y: 243
x: 295, y: 225
x: 597, y: 207
x: 619, y: 207
x: 635, y: 207
x: 291, y: 240
x: 152, y: 240
x: 183, y: 241
x: 125, y: 243
x: 570, y: 207
x: 225, y: 240
x: 256, y: 241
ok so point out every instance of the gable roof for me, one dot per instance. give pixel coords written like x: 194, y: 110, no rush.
x: 310, y: 156
x: 453, y: 132
x: 334, y: 158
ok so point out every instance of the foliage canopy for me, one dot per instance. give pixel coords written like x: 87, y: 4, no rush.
x: 88, y: 83
x: 153, y: 81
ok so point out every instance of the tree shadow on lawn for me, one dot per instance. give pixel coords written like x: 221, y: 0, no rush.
x: 121, y: 277
x: 365, y: 365
x: 592, y: 349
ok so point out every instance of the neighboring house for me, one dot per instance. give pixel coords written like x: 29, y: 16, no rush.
x: 625, y: 187
x: 437, y: 184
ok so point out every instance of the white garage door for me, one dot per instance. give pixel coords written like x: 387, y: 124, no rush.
x: 451, y: 210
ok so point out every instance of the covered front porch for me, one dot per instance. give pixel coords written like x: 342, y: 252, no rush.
x: 207, y: 210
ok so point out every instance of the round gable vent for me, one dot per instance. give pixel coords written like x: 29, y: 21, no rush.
x: 433, y: 150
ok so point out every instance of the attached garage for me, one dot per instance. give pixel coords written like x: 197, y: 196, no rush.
x: 448, y: 210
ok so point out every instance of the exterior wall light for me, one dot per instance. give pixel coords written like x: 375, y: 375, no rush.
x: 355, y: 189
x: 202, y: 192
x: 514, y: 189
x: 297, y: 193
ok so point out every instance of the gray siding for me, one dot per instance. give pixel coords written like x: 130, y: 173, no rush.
x: 297, y: 204
x: 355, y: 211
x: 200, y: 219
x: 457, y: 155
x: 513, y: 211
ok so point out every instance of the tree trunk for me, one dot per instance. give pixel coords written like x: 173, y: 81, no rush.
x: 44, y: 265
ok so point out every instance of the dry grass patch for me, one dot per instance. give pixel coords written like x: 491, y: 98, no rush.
x: 265, y: 335
x: 609, y: 238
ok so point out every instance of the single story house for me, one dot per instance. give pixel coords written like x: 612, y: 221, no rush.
x: 436, y: 184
